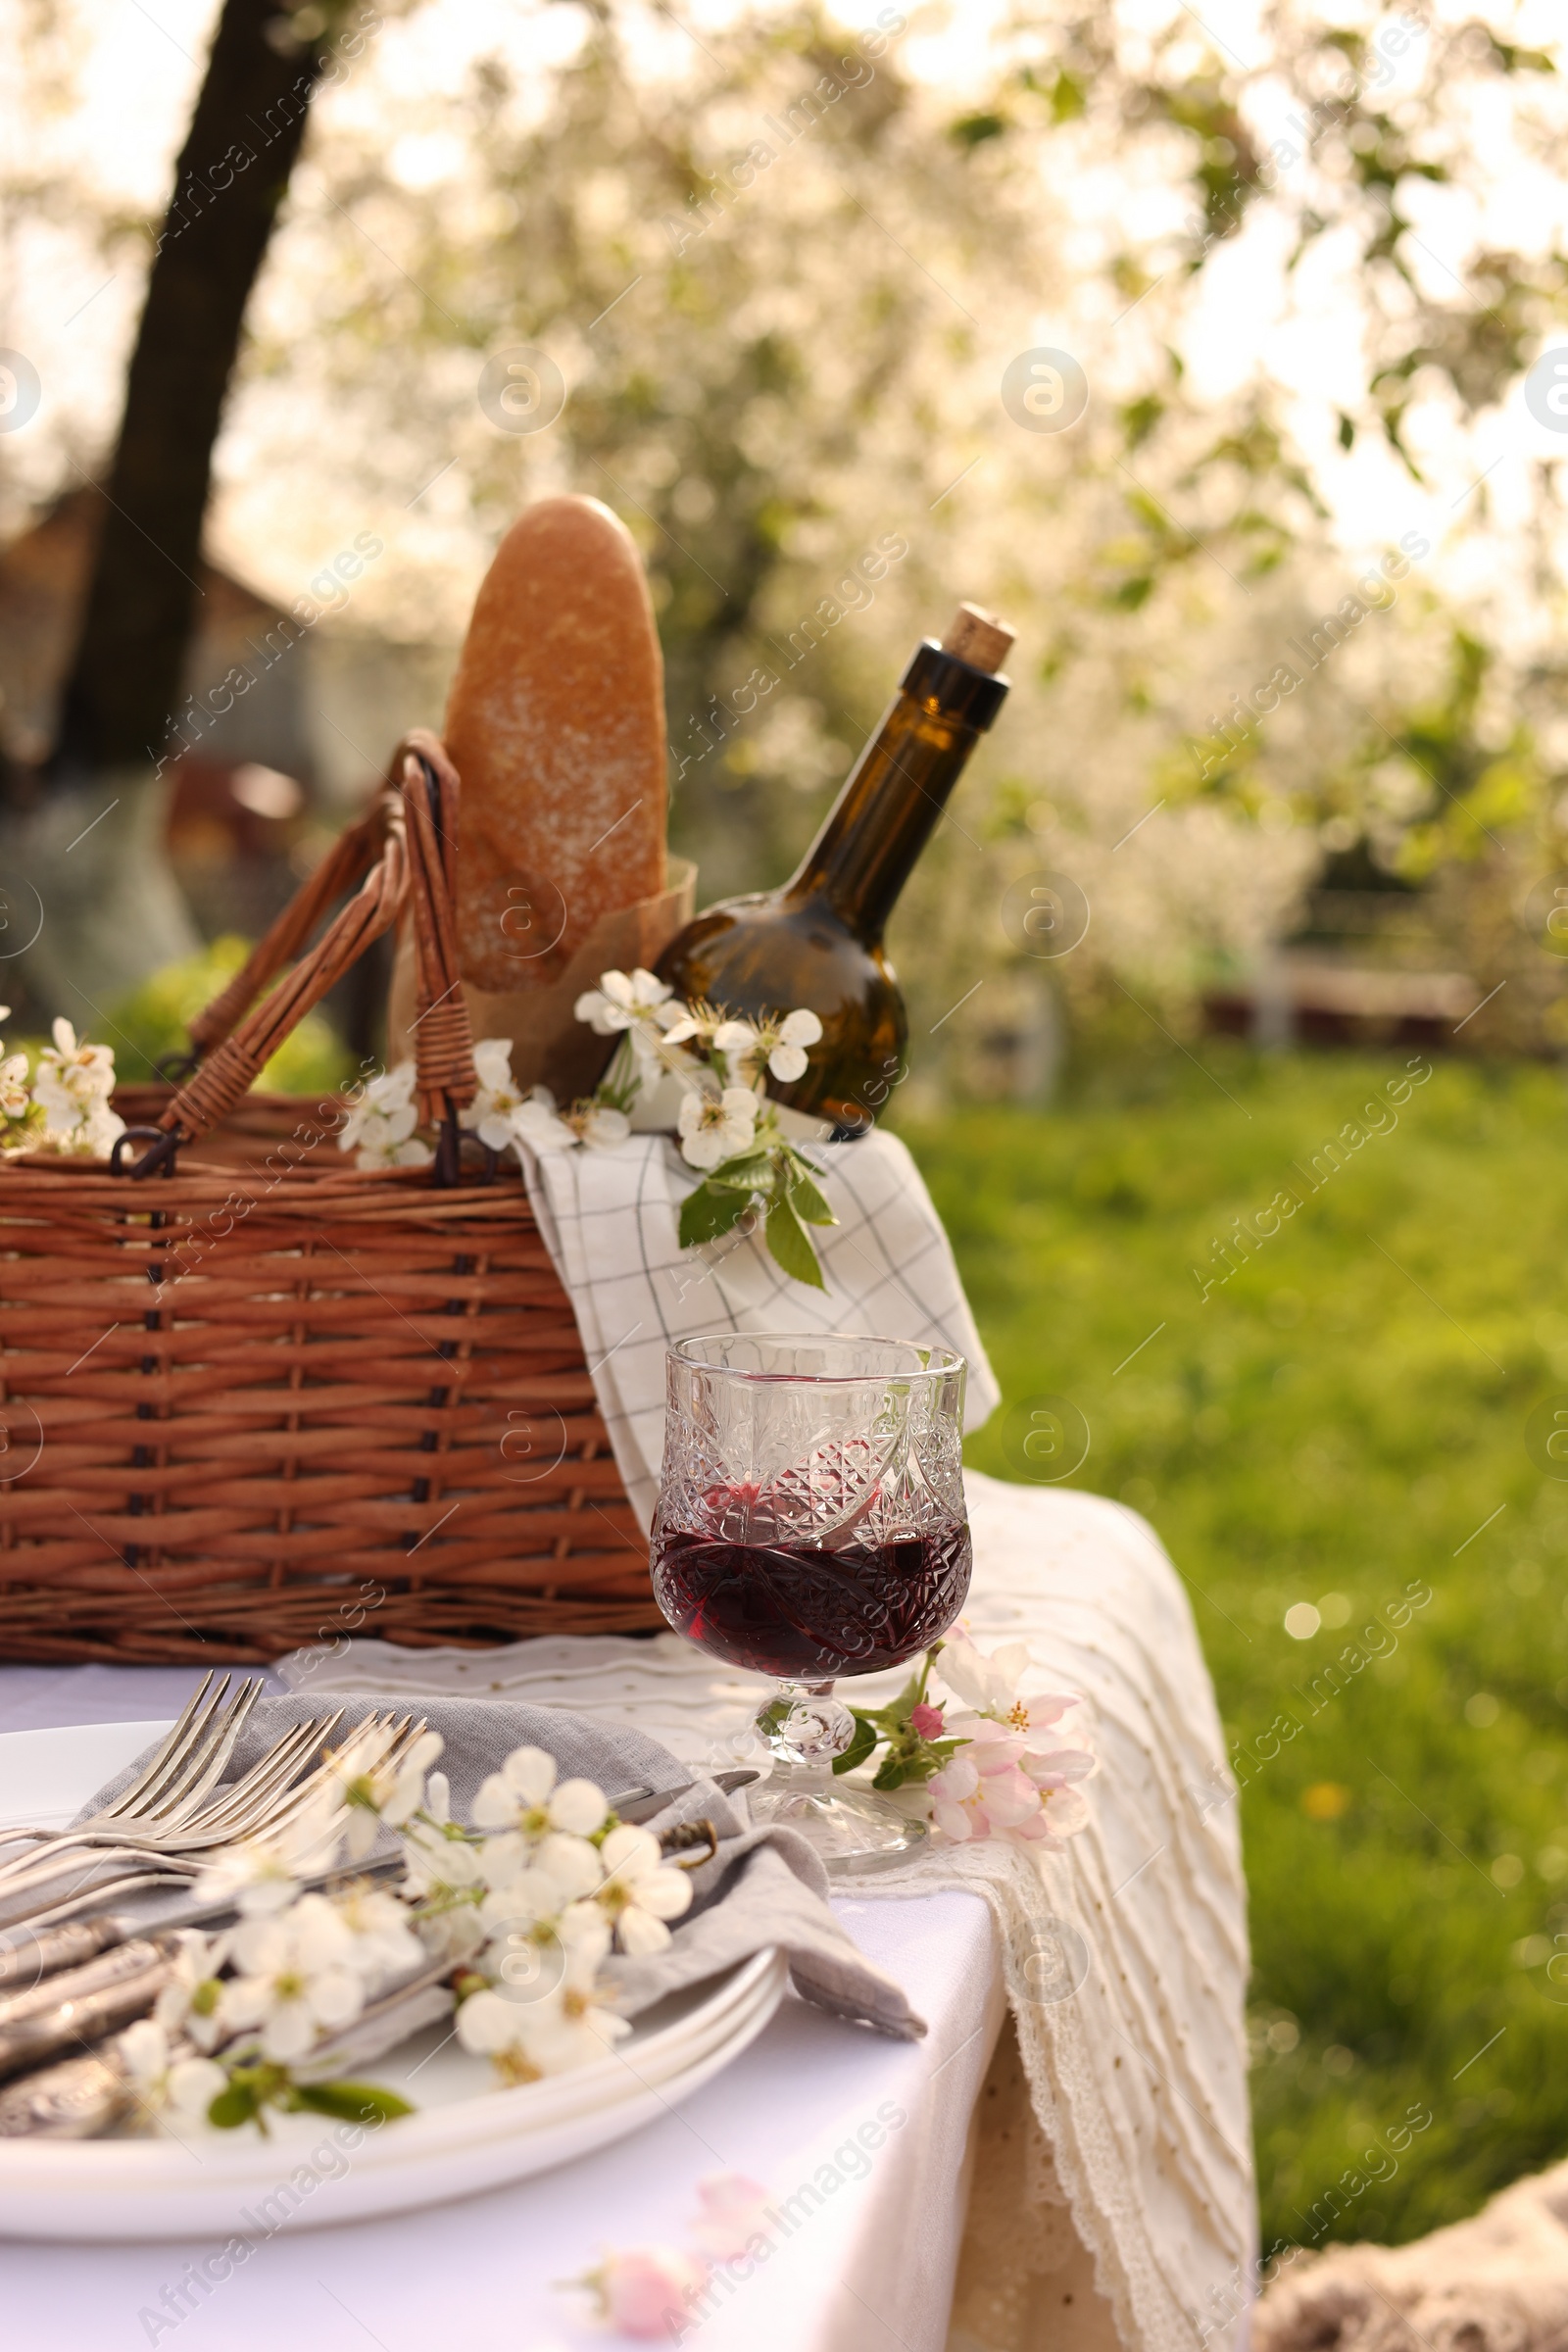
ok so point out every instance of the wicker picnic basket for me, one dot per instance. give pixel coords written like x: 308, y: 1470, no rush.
x: 257, y: 1398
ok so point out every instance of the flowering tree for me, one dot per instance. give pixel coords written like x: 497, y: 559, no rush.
x: 782, y: 272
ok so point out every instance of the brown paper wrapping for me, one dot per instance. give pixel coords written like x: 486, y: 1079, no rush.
x: 549, y: 1046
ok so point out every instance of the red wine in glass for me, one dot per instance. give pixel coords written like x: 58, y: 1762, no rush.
x: 805, y: 1613
x: 812, y: 1525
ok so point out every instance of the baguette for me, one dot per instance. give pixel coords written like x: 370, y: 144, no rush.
x: 556, y: 725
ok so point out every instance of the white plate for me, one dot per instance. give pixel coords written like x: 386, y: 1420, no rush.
x: 466, y: 2137
x: 47, y: 1777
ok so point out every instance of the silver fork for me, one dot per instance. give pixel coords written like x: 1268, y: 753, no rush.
x: 259, y: 1805
x: 187, y: 1763
x: 196, y: 1821
x: 260, y: 1800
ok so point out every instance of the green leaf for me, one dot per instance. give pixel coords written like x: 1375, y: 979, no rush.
x: 751, y: 1171
x: 860, y: 1747
x: 791, y: 1245
x: 925, y: 1761
x: 806, y: 1200
x: 896, y: 1770
x: 707, y: 1212
x: 237, y: 2105
x: 972, y: 130
x: 1067, y: 98
x: 355, y: 2102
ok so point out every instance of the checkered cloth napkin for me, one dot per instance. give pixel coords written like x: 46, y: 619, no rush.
x: 609, y: 1221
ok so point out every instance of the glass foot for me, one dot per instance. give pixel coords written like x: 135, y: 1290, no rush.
x: 851, y: 1828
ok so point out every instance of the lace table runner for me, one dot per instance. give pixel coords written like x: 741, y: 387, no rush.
x: 1125, y: 1966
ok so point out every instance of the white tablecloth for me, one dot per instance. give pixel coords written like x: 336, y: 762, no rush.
x: 871, y: 2270
x: 1115, y: 2164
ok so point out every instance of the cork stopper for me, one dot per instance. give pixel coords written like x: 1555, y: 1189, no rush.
x: 978, y: 638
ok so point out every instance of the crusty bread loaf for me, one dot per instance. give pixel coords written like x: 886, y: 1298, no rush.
x: 556, y: 724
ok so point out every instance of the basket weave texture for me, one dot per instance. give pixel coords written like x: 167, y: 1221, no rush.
x: 269, y: 1400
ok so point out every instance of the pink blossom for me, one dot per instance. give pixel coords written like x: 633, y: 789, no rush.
x: 731, y: 2216
x: 982, y: 1791
x: 649, y: 2290
x: 1059, y: 1765
x: 993, y: 1687
x: 1066, y: 1812
x: 1015, y: 1777
x: 926, y: 1719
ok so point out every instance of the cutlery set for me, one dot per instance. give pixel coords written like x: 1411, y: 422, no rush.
x: 71, y: 1983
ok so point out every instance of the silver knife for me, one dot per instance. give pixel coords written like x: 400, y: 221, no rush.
x: 77, y: 2007
x: 78, y: 2098
x: 75, y: 2100
x: 28, y: 1955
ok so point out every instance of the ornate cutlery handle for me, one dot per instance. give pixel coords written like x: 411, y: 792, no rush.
x: 100, y: 1973
x: 28, y: 1955
x: 70, y: 2011
x: 75, y: 2100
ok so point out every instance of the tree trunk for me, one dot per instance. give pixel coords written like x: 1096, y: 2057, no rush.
x: 139, y: 613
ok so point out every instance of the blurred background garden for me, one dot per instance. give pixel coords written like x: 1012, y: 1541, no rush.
x: 1215, y: 350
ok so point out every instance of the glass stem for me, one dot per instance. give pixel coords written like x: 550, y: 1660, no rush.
x: 806, y: 1727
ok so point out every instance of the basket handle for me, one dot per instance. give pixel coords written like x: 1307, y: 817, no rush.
x: 406, y: 849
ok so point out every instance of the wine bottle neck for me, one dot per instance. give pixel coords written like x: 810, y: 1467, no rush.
x: 873, y: 836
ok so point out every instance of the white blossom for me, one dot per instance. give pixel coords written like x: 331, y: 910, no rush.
x: 525, y: 1796
x: 688, y: 1023
x: 73, y: 1087
x: 602, y: 1127
x: 381, y: 1124
x: 189, y: 2002
x: 374, y: 1789
x: 261, y: 1875
x: 539, y: 1124
x: 297, y: 1978
x: 640, y: 1894
x: 440, y: 1867
x: 993, y: 1687
x: 622, y: 1000
x: 736, y: 1038
x: 14, y: 1096
x: 492, y: 1114
x: 382, y: 1944
x: 780, y: 1044
x: 787, y: 1058
x: 178, y: 2090
x: 564, y: 2026
x: 715, y: 1128
x: 537, y: 1877
x: 572, y: 2027
x: 446, y: 1879
x: 81, y: 1072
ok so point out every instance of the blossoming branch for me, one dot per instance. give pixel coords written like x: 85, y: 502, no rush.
x: 1003, y: 1763
x: 511, y: 1918
x: 66, y: 1108
x: 689, y: 1070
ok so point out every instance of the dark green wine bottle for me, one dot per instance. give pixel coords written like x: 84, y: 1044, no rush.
x: 817, y: 941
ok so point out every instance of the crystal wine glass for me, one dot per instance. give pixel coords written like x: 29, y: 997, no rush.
x: 811, y: 1526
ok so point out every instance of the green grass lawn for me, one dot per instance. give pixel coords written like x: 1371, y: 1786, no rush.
x: 1332, y: 1426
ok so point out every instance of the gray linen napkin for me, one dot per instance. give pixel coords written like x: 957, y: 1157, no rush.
x: 764, y: 1887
